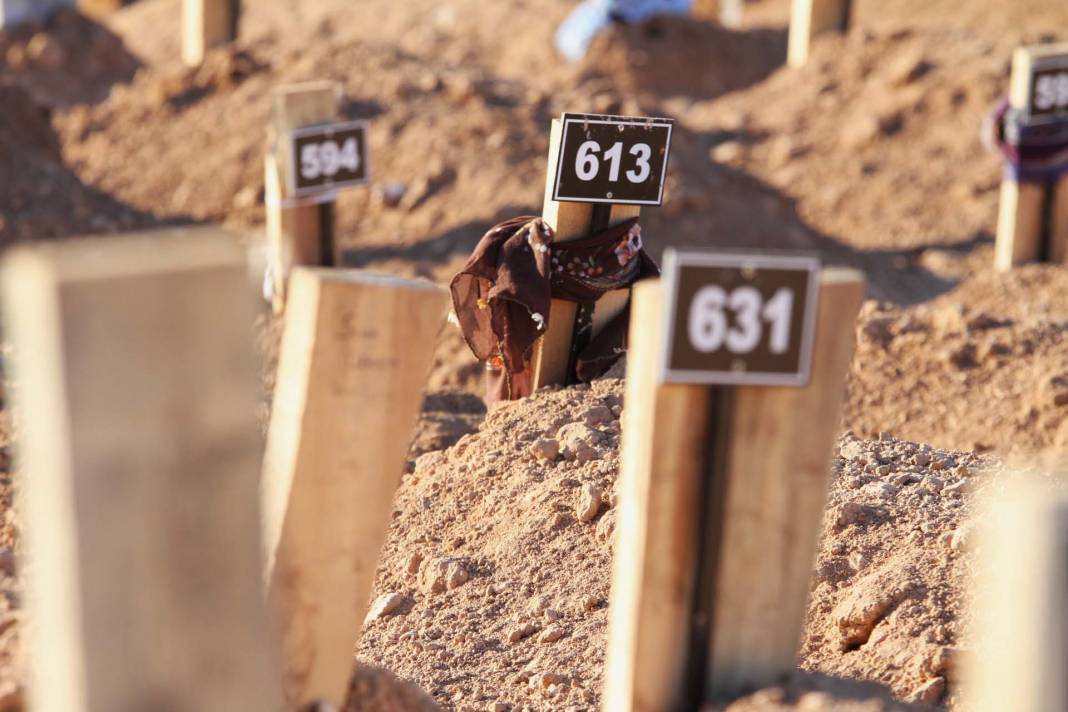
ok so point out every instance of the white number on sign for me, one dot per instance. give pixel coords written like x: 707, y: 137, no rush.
x: 1051, y: 92
x: 587, y: 164
x: 327, y: 158
x: 708, y: 329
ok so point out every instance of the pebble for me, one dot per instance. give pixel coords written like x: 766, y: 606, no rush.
x: 577, y: 442
x: 933, y: 484
x: 606, y: 527
x: 389, y: 194
x: 591, y: 603
x: 547, y: 679
x: 444, y: 574
x: 524, y: 631
x: 597, y: 415
x: 860, y: 131
x: 589, y: 505
x: 727, y: 152
x: 46, y: 51
x: 907, y: 68
x: 856, y: 513
x: 545, y: 449
x: 414, y: 561
x: 551, y: 634
x: 881, y: 490
x: 963, y: 537
x: 384, y: 605
x: 929, y: 693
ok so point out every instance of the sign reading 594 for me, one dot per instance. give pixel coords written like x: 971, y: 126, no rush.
x: 1049, y: 91
x: 328, y: 157
x: 612, y: 159
x: 736, y: 318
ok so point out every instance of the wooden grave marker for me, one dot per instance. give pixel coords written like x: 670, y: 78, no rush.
x: 139, y: 455
x: 1021, y: 624
x: 354, y: 357
x: 207, y: 24
x: 1033, y: 218
x: 722, y: 487
x: 312, y: 156
x: 809, y: 18
x: 588, y: 190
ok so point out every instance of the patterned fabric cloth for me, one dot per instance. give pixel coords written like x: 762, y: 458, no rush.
x: 502, y: 295
x: 592, y: 16
x: 1033, y: 153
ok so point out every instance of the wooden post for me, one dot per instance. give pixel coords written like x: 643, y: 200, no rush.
x: 774, y: 445
x: 207, y: 24
x: 138, y: 457
x: 731, y: 13
x: 809, y: 18
x: 355, y: 352
x: 1023, y: 650
x: 1032, y: 219
x: 299, y: 231
x: 572, y: 221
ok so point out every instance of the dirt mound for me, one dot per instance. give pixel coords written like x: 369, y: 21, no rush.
x: 68, y: 59
x: 502, y: 546
x: 984, y: 367
x: 643, y: 60
x: 40, y: 197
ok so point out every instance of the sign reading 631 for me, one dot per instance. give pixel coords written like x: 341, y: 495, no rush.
x: 738, y: 318
x: 612, y: 159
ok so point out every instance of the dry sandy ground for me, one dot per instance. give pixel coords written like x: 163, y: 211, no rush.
x: 870, y: 155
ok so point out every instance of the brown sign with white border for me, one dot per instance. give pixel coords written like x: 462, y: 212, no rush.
x: 739, y: 318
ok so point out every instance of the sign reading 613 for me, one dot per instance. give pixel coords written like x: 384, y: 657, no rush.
x: 612, y: 159
x: 736, y: 318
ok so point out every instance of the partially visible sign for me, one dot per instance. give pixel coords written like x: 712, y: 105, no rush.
x: 612, y: 159
x: 739, y: 318
x: 328, y: 157
x: 1049, y: 88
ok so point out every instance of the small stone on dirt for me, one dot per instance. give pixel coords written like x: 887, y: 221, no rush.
x: 384, y: 605
x: 589, y: 505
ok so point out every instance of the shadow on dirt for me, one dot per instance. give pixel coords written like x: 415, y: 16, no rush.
x: 429, y: 255
x: 67, y: 60
x: 645, y: 60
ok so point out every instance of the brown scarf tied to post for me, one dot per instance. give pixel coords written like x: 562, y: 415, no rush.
x: 501, y: 297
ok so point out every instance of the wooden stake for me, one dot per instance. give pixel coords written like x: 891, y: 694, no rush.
x: 572, y: 221
x: 778, y: 471
x: 809, y: 18
x: 299, y: 232
x: 1026, y: 231
x: 731, y: 13
x: 138, y: 457
x: 207, y: 24
x: 775, y: 446
x: 355, y: 353
x: 1023, y: 650
x: 660, y: 480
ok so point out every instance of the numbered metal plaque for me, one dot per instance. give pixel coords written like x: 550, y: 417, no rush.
x: 328, y: 158
x: 612, y: 159
x: 739, y: 319
x: 1049, y: 88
